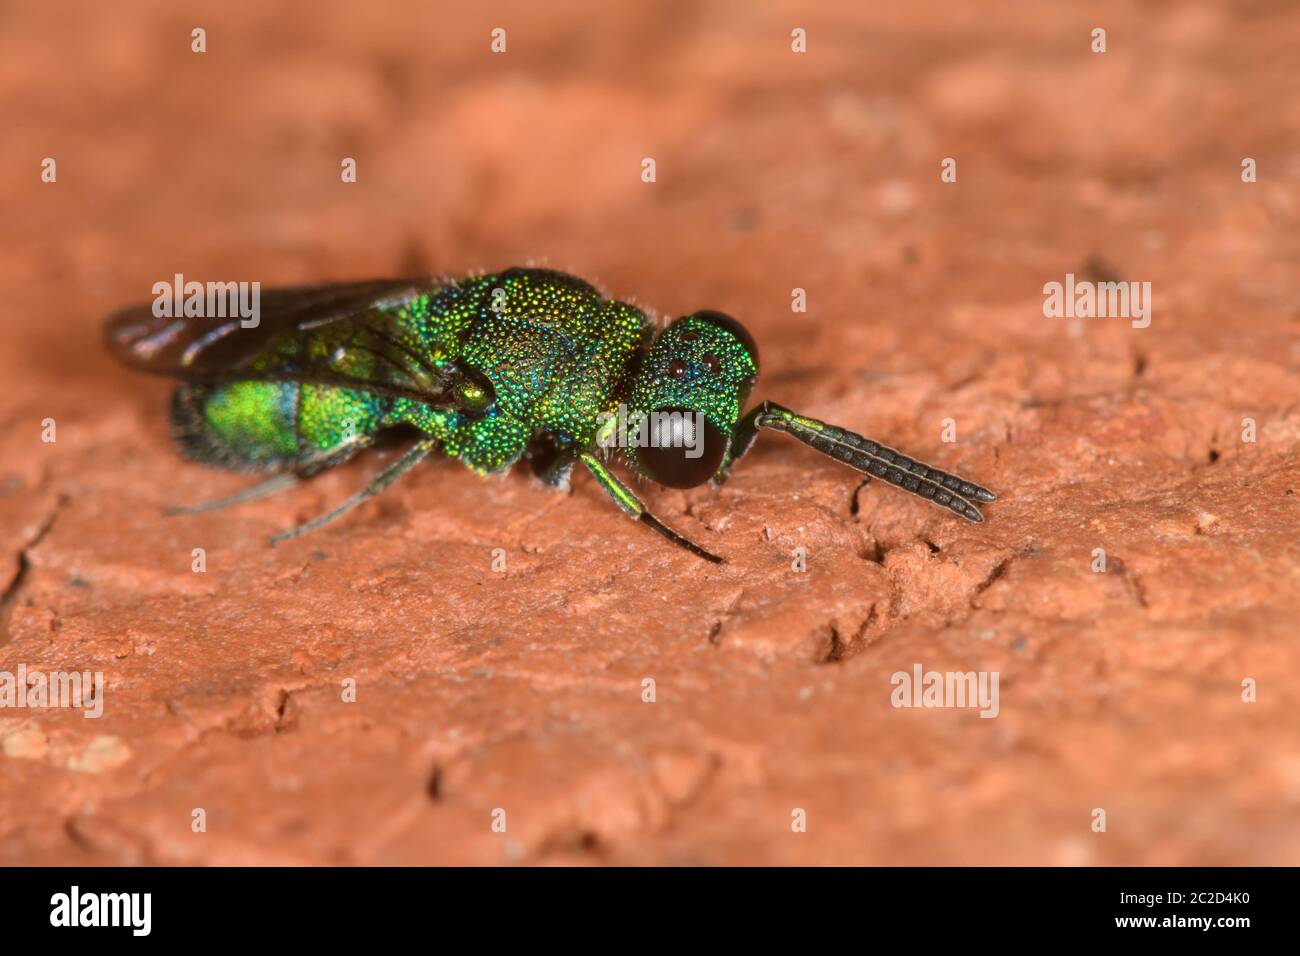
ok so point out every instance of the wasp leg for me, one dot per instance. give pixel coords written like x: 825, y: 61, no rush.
x: 263, y: 489
x: 869, y: 457
x: 410, y: 458
x: 277, y: 483
x: 558, y: 473
x: 552, y: 464
x: 742, y: 439
x: 635, y: 508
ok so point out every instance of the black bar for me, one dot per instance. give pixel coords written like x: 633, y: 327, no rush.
x: 332, y: 906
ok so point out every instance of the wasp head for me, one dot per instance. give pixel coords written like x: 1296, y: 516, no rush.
x: 687, y: 396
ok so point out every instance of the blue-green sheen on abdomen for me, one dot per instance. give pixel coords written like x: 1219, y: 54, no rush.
x: 247, y: 425
x: 266, y: 425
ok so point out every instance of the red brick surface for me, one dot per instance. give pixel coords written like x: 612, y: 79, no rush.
x: 523, y: 691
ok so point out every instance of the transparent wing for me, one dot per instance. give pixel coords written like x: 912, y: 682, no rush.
x: 347, y: 335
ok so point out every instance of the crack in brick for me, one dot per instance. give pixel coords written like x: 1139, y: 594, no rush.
x: 582, y: 838
x: 433, y: 789
x: 715, y: 629
x: 10, y: 595
x: 1132, y: 582
x: 839, y: 650
x: 993, y: 576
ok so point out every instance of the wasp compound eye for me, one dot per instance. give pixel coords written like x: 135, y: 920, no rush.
x: 725, y: 322
x: 685, y: 448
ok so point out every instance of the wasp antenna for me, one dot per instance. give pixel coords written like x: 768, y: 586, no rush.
x: 880, y: 461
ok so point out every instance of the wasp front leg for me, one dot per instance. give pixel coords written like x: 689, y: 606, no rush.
x: 634, y: 507
x: 742, y: 439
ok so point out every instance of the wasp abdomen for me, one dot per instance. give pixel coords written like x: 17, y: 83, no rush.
x: 272, y: 426
x: 248, y: 426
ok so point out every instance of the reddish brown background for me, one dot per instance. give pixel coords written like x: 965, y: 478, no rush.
x: 522, y: 691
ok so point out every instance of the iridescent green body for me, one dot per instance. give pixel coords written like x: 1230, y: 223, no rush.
x: 556, y: 352
x: 526, y: 362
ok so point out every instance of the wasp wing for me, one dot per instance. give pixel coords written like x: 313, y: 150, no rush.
x: 346, y: 335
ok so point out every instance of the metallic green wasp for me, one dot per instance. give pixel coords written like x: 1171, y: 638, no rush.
x: 527, y: 363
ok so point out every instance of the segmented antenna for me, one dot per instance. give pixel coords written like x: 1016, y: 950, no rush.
x: 880, y: 461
